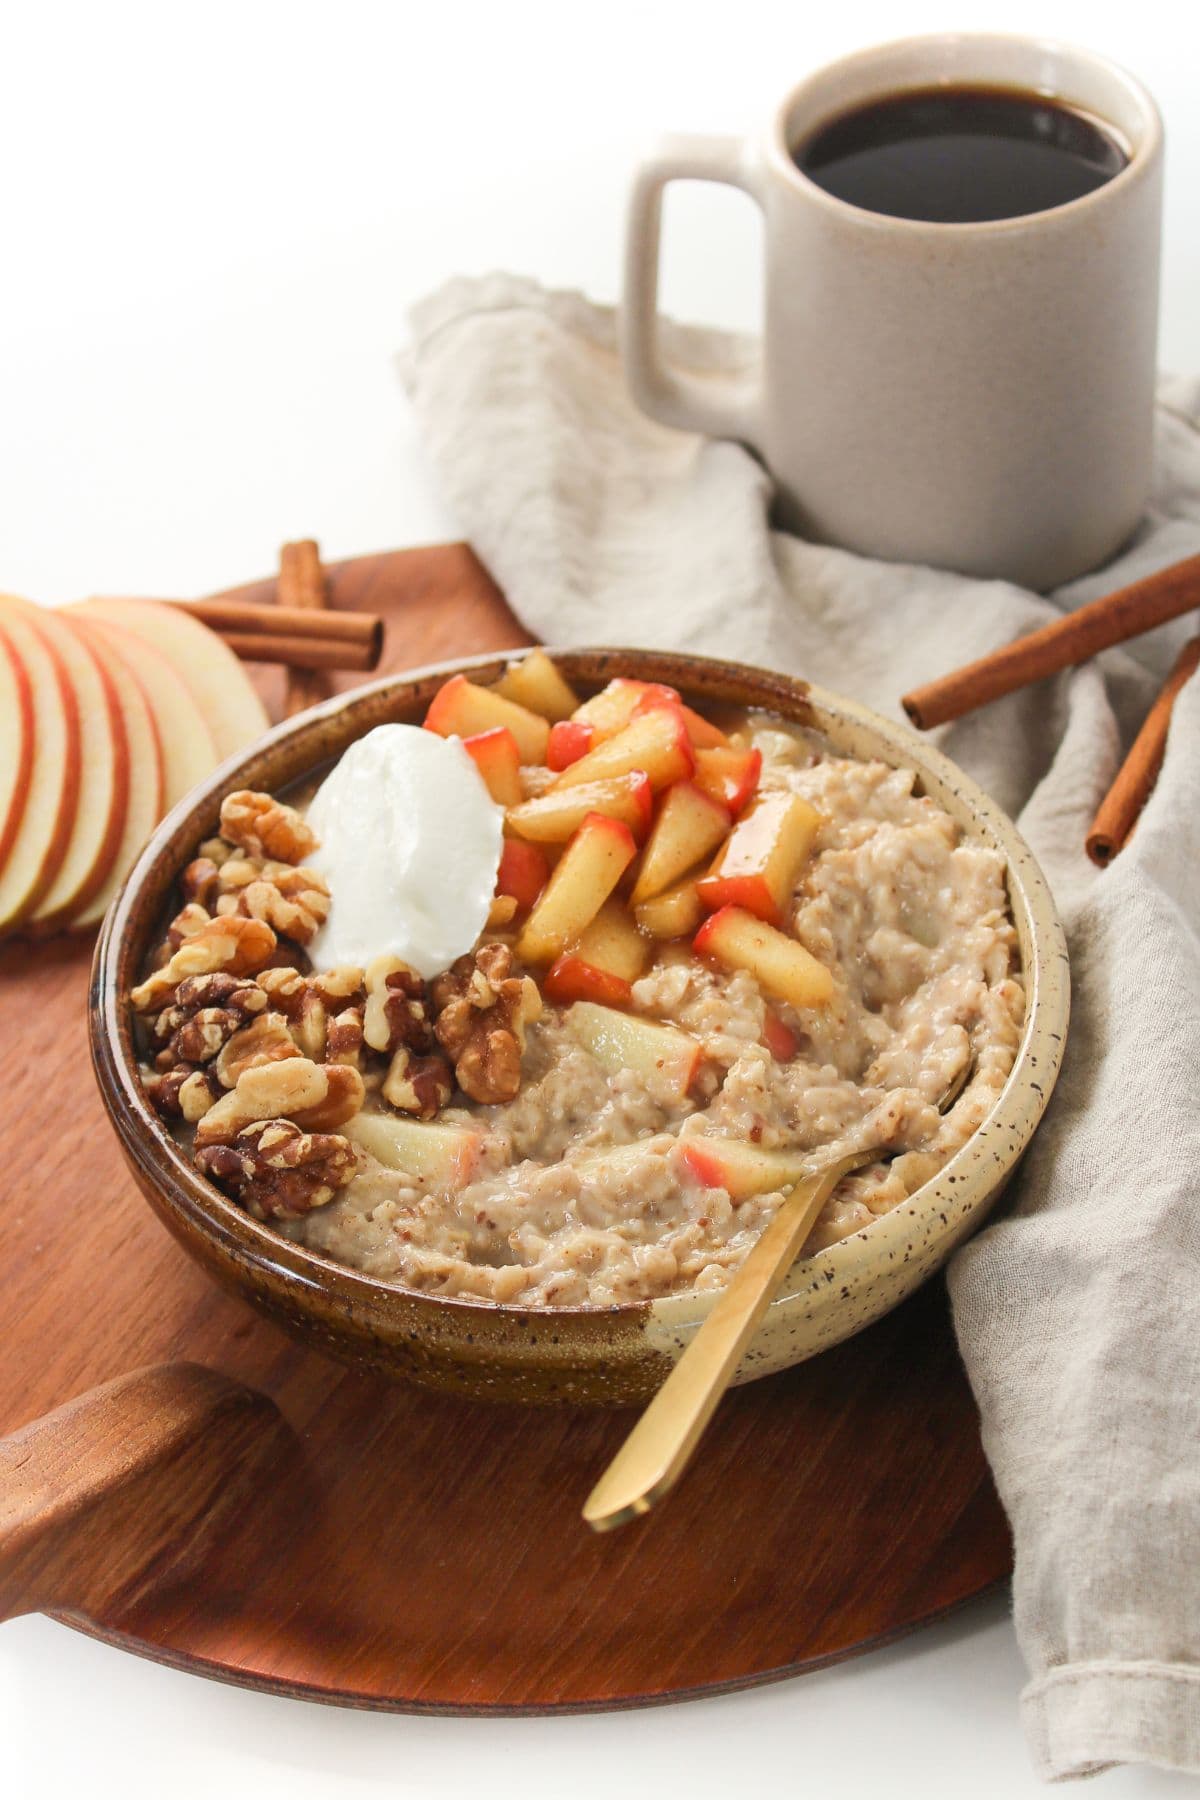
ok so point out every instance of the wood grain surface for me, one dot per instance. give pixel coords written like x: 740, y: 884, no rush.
x: 420, y: 1553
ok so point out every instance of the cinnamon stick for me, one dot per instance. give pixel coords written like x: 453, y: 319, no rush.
x: 300, y: 650
x: 1166, y: 594
x: 245, y: 617
x: 302, y: 584
x: 1122, y: 805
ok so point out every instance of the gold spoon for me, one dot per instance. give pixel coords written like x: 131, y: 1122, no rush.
x: 660, y: 1446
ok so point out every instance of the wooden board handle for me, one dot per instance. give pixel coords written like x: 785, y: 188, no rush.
x: 104, y: 1496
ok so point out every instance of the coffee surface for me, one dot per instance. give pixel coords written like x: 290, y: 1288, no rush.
x: 960, y: 155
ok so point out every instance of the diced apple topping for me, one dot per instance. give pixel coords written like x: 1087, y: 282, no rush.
x: 523, y: 873
x: 779, y: 1037
x: 498, y: 760
x: 591, y: 866
x: 460, y: 708
x: 739, y: 940
x: 702, y: 732
x: 656, y: 744
x: 555, y: 816
x: 569, y: 740
x: 741, y: 1168
x: 729, y: 775
x: 688, y: 828
x: 611, y: 709
x: 437, y: 1156
x: 608, y: 958
x: 536, y: 684
x: 620, y: 1040
x: 673, y: 914
x: 758, y: 866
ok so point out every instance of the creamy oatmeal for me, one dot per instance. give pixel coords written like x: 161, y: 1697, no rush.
x: 610, y: 1115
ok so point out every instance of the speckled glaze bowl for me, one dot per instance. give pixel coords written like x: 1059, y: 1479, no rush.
x: 582, y: 1355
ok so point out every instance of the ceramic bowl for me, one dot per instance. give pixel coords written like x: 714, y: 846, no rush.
x: 592, y: 1355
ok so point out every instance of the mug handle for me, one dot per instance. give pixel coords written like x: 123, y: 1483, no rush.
x: 723, y: 406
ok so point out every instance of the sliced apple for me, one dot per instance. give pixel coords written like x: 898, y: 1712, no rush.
x: 688, y: 828
x: 553, y: 817
x: 673, y: 914
x: 461, y: 708
x: 216, y: 680
x: 188, y: 751
x: 523, y: 873
x: 603, y: 965
x: 778, y: 1036
x: 537, y: 684
x: 742, y: 1169
x: 570, y: 978
x: 16, y: 742
x: 569, y: 740
x: 758, y: 866
x: 620, y: 1040
x: 442, y: 1157
x: 498, y: 760
x: 611, y: 709
x: 591, y: 866
x: 103, y: 794
x: 729, y: 775
x: 147, y: 791
x: 739, y: 940
x: 38, y: 841
x: 656, y: 744
x: 703, y: 733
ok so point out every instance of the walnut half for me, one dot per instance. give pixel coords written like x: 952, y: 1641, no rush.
x: 482, y: 1011
x: 278, y: 1171
x: 315, y: 1096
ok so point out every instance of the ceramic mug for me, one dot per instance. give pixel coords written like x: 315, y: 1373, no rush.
x: 977, y: 396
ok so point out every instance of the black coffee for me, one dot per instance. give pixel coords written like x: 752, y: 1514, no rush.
x: 961, y: 154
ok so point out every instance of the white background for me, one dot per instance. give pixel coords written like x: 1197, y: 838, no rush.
x: 212, y: 220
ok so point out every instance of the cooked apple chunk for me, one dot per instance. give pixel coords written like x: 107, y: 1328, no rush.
x: 781, y: 966
x: 604, y: 964
x: 537, y: 684
x: 620, y: 1040
x: 729, y: 775
x: 461, y: 708
x: 523, y: 873
x: 437, y: 1156
x: 688, y: 828
x: 569, y: 740
x: 591, y: 866
x: 673, y: 914
x: 759, y: 863
x: 554, y: 817
x: 498, y: 760
x: 742, y: 1169
x: 656, y: 744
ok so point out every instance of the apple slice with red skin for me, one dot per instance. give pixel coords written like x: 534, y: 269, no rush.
x: 603, y: 965
x: 462, y: 708
x: 146, y: 786
x: 38, y: 840
x: 555, y: 816
x: 439, y: 1157
x: 703, y: 733
x: 738, y: 939
x: 729, y: 775
x: 523, y: 873
x: 673, y: 914
x: 688, y: 828
x: 188, y: 751
x: 569, y: 740
x: 102, y: 800
x: 742, y: 1169
x: 591, y: 866
x: 624, y: 698
x: 16, y: 742
x: 759, y: 862
x: 656, y: 744
x: 498, y: 760
x: 208, y: 668
x: 621, y: 1040
x: 537, y: 683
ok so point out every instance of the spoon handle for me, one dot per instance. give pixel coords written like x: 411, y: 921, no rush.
x: 659, y: 1447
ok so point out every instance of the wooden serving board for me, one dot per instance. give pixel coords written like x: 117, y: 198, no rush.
x: 425, y: 1553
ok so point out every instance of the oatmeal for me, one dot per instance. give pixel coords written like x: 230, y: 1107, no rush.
x: 713, y: 953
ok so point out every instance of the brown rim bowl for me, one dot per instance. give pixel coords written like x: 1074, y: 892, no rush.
x: 584, y: 1355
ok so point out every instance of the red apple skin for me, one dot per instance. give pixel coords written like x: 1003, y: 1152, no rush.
x: 58, y: 785
x: 750, y: 892
x: 524, y: 872
x: 569, y: 740
x: 571, y: 978
x: 498, y: 760
x: 22, y: 700
x: 701, y: 1163
x: 779, y: 1038
x: 702, y: 732
x: 728, y: 775
x: 663, y: 752
x: 461, y: 708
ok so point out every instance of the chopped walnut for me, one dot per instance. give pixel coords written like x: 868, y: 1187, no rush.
x: 316, y: 1096
x: 237, y: 946
x: 344, y: 1037
x: 277, y: 1170
x: 501, y: 912
x: 397, y: 1022
x: 198, y: 1094
x: 216, y: 850
x: 293, y: 902
x: 266, y: 1040
x: 264, y: 826
x: 340, y: 987
x: 482, y: 1011
x: 181, y: 1092
x: 299, y: 999
x: 200, y: 882
x: 206, y: 1012
x: 417, y: 1084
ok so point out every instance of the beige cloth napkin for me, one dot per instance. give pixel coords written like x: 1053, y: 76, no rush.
x: 1078, y: 1310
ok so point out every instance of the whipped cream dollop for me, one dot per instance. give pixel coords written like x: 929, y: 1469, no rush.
x: 410, y: 844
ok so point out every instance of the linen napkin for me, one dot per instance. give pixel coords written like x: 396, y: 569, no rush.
x: 1077, y: 1310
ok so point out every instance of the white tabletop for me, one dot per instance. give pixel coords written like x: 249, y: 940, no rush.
x: 212, y: 222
